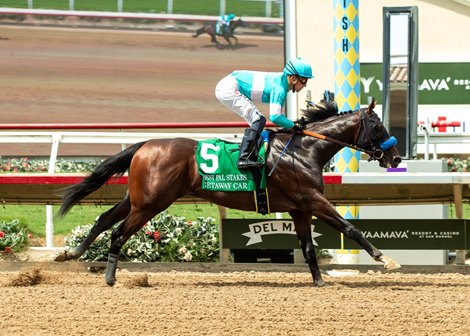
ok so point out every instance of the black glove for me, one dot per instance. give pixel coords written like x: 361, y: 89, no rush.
x: 297, y: 128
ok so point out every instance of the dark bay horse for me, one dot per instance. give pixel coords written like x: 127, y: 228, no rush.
x: 211, y: 29
x: 161, y: 171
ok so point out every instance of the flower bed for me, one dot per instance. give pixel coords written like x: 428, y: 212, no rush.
x: 164, y: 238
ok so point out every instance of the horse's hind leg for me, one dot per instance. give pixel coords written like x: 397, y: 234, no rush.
x: 103, y: 223
x: 302, y: 222
x: 132, y: 224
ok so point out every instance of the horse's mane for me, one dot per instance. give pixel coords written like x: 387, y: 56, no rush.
x: 319, y: 111
x: 316, y: 112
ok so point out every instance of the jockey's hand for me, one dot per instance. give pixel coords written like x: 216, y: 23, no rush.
x: 297, y: 128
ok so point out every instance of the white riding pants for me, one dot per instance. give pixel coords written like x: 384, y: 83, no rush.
x: 227, y: 93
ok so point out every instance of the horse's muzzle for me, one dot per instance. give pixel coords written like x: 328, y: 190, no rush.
x: 396, y: 160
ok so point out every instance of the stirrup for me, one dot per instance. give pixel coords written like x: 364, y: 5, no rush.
x: 246, y: 164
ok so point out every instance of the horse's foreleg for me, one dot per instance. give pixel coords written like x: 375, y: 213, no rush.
x: 103, y: 223
x: 325, y: 212
x: 302, y: 222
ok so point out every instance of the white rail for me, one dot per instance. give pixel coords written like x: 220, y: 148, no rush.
x: 441, y: 143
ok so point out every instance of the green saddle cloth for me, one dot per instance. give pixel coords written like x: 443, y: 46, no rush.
x: 217, y: 164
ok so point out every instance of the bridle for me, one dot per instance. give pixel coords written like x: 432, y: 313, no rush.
x: 364, y: 143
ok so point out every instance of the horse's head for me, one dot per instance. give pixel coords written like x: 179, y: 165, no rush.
x: 374, y: 137
x: 238, y: 23
x: 370, y: 137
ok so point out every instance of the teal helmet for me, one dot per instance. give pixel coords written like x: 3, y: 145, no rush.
x: 231, y: 16
x: 298, y: 67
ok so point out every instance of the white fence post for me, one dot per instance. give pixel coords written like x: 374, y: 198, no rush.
x: 119, y: 6
x: 71, y: 5
x: 170, y: 7
x: 49, y: 212
x: 268, y: 12
x: 222, y: 7
x: 30, y: 4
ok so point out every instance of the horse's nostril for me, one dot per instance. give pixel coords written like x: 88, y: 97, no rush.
x: 396, y: 159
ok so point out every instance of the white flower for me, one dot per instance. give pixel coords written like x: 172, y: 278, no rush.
x: 182, y: 250
x: 188, y: 256
x: 178, y: 231
x: 78, y: 232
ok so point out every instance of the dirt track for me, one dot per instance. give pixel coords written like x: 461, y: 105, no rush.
x: 57, y: 75
x: 235, y: 303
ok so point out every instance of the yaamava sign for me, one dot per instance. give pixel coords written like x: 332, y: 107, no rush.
x: 439, y: 83
x: 407, y: 234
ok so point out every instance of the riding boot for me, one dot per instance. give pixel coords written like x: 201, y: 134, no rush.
x: 248, y: 157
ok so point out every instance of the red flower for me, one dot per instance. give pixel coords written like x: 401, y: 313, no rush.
x: 2, y: 234
x: 149, y: 233
x: 190, y: 223
x: 7, y: 249
x: 30, y: 235
x: 157, y: 236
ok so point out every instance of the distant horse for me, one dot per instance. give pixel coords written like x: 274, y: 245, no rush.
x: 161, y: 171
x: 211, y: 29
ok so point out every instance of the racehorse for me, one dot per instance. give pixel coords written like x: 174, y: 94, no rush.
x: 162, y: 170
x: 211, y: 29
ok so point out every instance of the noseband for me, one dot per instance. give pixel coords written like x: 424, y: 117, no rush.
x: 364, y: 141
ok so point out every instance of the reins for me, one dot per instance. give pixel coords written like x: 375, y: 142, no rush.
x: 375, y: 154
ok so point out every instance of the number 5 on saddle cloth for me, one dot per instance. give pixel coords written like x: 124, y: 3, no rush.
x: 217, y: 164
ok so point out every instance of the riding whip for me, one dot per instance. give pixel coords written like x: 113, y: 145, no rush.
x: 282, y: 153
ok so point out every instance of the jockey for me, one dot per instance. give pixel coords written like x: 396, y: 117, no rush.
x: 224, y: 22
x: 241, y: 87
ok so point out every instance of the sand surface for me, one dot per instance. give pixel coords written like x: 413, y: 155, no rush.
x: 75, y: 302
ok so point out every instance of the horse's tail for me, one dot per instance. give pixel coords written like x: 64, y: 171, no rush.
x: 114, y: 165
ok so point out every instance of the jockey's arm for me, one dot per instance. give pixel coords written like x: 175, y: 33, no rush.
x: 281, y: 120
x: 277, y: 99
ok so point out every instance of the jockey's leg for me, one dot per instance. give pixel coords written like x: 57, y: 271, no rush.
x: 228, y: 93
x: 248, y: 157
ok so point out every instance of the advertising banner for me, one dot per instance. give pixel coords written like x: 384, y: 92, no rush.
x: 409, y: 234
x: 439, y: 83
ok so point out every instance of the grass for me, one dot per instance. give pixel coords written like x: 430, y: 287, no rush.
x: 199, y: 7
x: 34, y: 216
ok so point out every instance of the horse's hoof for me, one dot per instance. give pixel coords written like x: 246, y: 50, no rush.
x: 61, y: 257
x: 319, y: 283
x: 389, y: 263
x: 111, y: 282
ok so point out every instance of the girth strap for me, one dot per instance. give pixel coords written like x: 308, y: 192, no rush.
x: 260, y: 195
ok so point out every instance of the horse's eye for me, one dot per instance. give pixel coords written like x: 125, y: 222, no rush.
x: 377, y: 131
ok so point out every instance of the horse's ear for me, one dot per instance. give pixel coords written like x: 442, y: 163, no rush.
x: 371, y: 105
